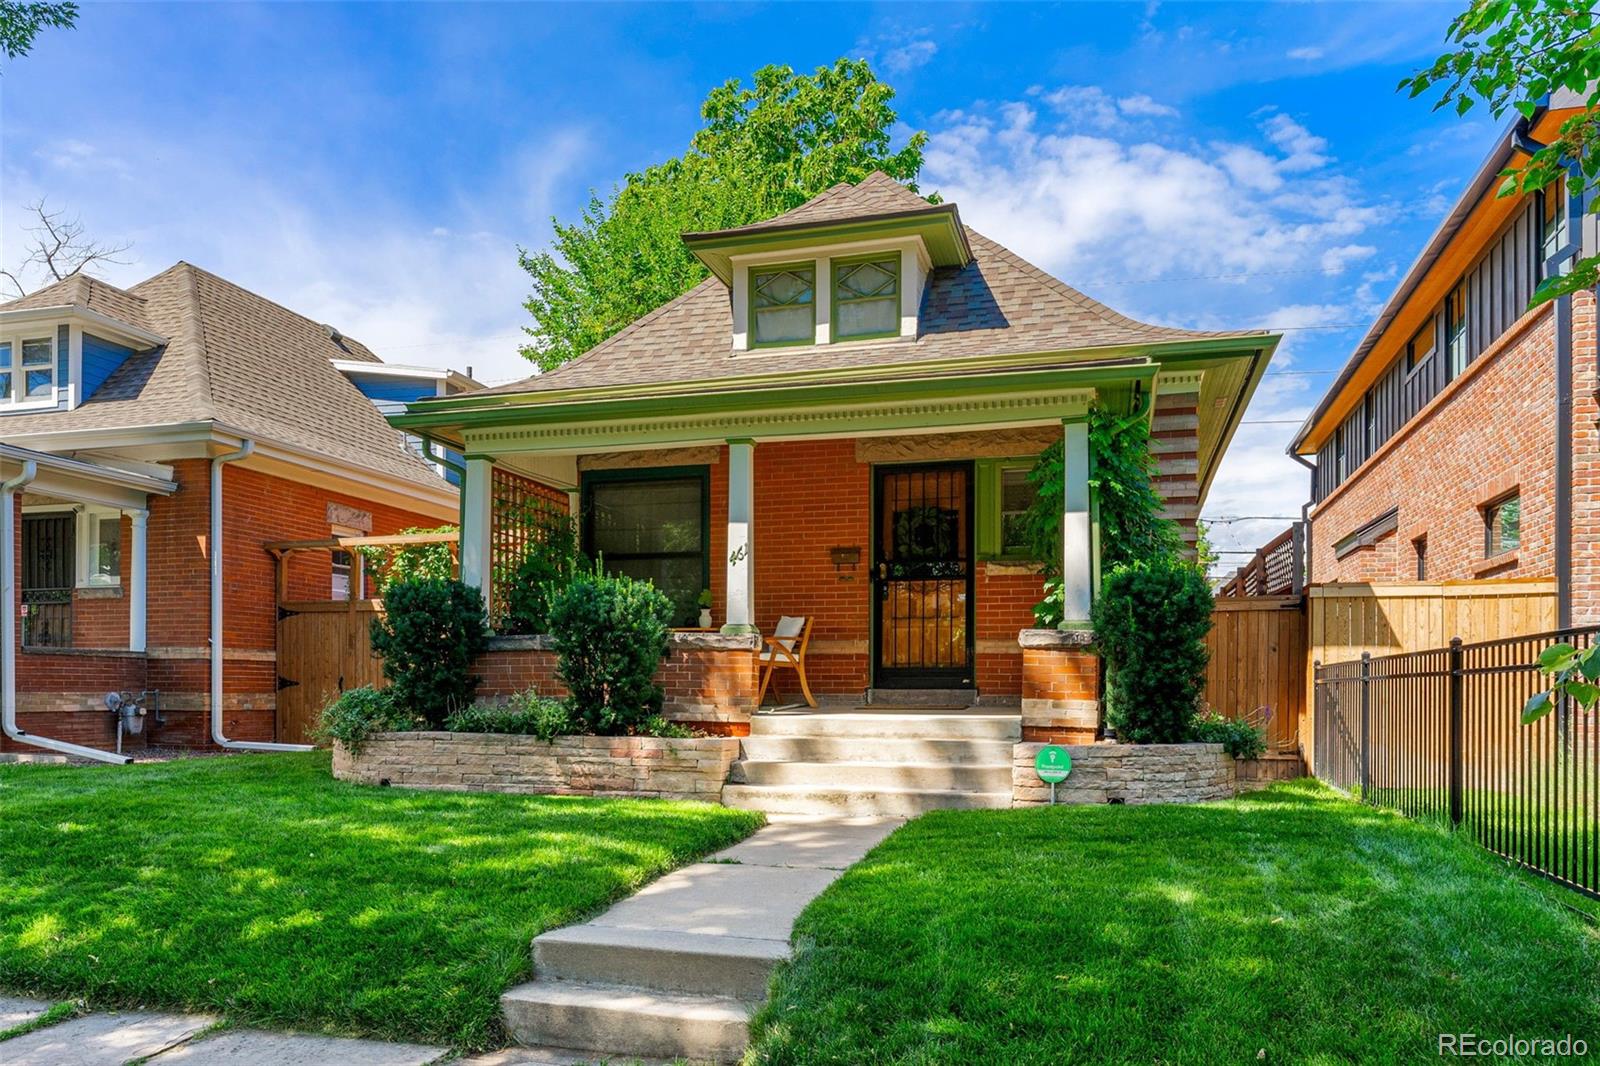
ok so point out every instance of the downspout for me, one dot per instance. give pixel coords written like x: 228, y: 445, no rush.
x: 1525, y: 143
x: 214, y: 545
x: 8, y: 629
x: 429, y: 452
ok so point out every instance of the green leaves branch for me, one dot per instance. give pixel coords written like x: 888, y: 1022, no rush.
x: 1574, y: 674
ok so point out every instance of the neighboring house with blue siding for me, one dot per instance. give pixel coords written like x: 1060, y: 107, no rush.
x: 153, y: 441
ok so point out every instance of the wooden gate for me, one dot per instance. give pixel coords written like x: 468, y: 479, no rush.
x: 1258, y: 659
x: 323, y: 649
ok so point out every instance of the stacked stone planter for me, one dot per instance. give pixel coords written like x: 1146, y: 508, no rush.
x: 1128, y: 773
x: 651, y: 767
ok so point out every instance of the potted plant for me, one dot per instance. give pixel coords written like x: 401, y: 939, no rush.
x: 705, y: 608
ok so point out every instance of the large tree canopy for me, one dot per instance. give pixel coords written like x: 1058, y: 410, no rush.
x: 1511, y: 54
x: 762, y: 150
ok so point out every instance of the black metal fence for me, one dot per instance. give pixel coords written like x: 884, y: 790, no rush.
x: 1438, y: 734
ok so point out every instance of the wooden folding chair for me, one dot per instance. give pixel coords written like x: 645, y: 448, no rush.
x: 786, y: 648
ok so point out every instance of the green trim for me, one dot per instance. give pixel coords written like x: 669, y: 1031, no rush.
x: 834, y: 302
x: 939, y: 228
x: 742, y: 440
x: 750, y: 302
x: 989, y: 503
x: 589, y: 478
x: 449, y: 410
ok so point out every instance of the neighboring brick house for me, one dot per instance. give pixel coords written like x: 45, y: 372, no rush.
x: 1459, y: 442
x: 838, y: 424
x: 117, y: 410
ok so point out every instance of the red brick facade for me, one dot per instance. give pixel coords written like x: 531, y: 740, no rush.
x: 60, y: 692
x: 1489, y: 433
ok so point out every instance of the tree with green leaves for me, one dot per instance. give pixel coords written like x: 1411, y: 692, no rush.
x: 761, y: 151
x: 1510, y: 55
x: 20, y: 23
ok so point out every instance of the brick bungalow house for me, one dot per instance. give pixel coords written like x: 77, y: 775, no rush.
x: 837, y: 424
x: 138, y: 428
x: 1459, y: 442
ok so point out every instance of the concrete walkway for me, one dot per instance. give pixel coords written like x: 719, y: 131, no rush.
x: 677, y: 970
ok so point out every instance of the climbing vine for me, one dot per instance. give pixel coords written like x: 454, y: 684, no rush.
x: 1131, y: 526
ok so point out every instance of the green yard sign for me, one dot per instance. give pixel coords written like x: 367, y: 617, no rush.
x: 1053, y: 763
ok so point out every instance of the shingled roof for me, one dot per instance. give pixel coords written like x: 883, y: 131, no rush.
x: 998, y: 304
x: 231, y: 357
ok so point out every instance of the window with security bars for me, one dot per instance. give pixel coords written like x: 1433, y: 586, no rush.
x: 783, y: 305
x: 866, y: 298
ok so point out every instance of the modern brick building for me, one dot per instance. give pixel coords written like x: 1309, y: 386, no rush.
x: 1459, y: 442
x: 837, y: 424
x: 125, y: 417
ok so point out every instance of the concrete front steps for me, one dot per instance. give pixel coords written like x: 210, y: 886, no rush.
x: 675, y: 971
x: 874, y: 762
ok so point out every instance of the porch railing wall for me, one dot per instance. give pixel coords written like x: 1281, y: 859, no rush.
x: 1438, y: 734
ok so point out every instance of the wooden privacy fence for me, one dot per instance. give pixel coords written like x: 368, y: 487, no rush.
x: 325, y: 646
x: 1258, y: 659
x: 1348, y: 619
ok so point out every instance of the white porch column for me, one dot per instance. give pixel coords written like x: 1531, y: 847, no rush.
x: 741, y: 537
x: 477, y: 507
x: 1077, y: 563
x: 137, y: 580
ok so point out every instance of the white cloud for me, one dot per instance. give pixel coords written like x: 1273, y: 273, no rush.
x: 1302, y: 149
x: 1306, y: 53
x: 1336, y: 260
x: 1141, y: 104
x: 1090, y: 105
x: 905, y: 58
x: 1071, y: 201
x: 441, y: 288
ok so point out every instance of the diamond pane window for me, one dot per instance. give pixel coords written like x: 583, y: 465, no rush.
x: 783, y: 305
x: 866, y: 297
x: 38, y: 367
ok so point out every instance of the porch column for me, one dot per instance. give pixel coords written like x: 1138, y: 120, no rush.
x: 741, y: 537
x: 1077, y: 562
x: 137, y: 581
x: 477, y: 509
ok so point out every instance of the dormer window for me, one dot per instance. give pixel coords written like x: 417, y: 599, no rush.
x: 27, y: 370
x: 866, y: 297
x: 783, y: 304
x: 38, y: 378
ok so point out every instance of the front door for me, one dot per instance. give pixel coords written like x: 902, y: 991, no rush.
x: 922, y: 576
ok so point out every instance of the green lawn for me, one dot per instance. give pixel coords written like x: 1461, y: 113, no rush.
x: 1292, y: 924
x: 259, y: 887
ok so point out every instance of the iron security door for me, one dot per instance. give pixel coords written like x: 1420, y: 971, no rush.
x: 922, y: 576
x: 48, y: 556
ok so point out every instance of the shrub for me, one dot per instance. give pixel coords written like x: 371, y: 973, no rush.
x: 1150, y: 623
x: 428, y: 636
x: 549, y: 562
x: 391, y: 565
x: 525, y: 714
x: 1240, y: 739
x: 610, y: 634
x: 355, y: 714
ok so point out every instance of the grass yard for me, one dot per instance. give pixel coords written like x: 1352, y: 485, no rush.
x: 259, y: 887
x: 1292, y: 925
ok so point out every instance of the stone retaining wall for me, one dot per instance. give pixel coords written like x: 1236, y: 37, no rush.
x: 1128, y: 773
x: 653, y: 767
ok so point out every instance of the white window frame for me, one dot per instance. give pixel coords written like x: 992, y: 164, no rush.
x: 15, y: 336
x: 88, y: 544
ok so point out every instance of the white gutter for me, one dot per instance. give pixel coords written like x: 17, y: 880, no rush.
x: 214, y: 545
x: 8, y: 628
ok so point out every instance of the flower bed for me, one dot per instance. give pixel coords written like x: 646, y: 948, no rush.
x: 653, y: 767
x: 1128, y: 773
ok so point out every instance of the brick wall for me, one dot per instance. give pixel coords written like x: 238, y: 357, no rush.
x: 1060, y: 687
x: 1490, y: 432
x: 1585, y: 463
x: 708, y: 680
x: 1175, y: 442
x: 258, y: 508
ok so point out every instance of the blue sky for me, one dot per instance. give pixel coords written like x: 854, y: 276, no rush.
x: 376, y: 166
